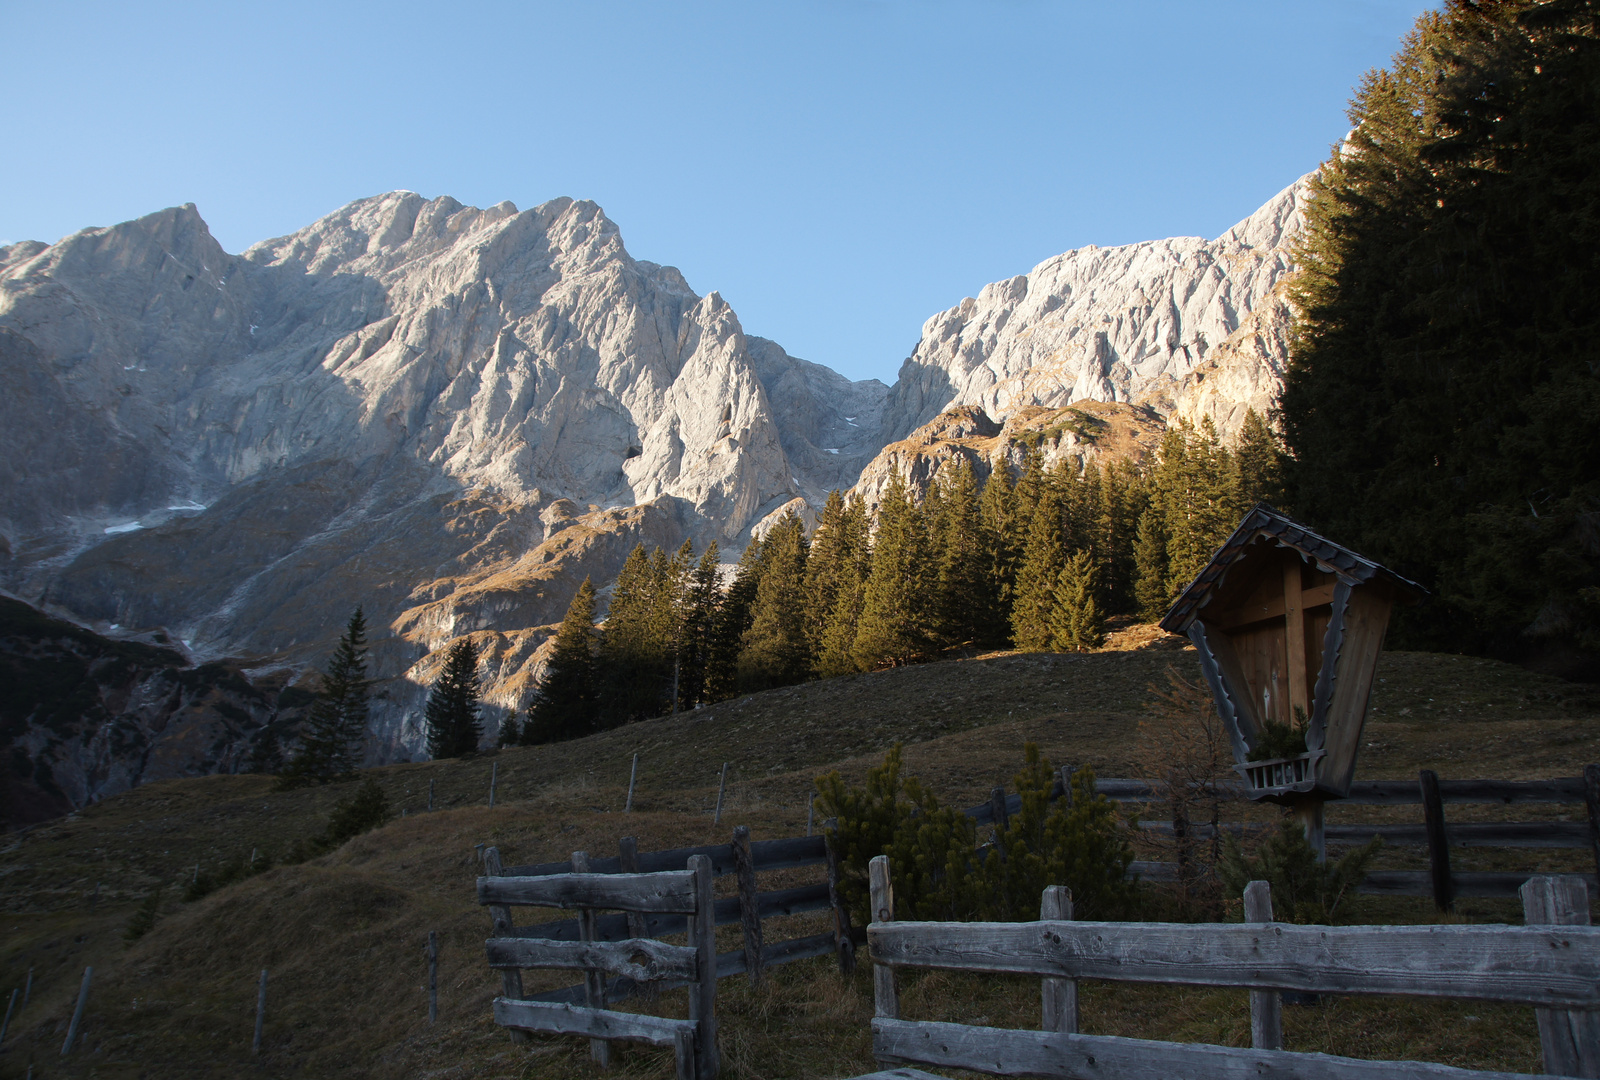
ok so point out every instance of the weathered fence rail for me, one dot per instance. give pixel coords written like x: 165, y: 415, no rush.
x: 1552, y: 963
x: 531, y: 885
x: 1434, y: 832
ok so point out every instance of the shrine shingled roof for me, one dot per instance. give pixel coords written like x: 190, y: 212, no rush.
x: 1263, y: 520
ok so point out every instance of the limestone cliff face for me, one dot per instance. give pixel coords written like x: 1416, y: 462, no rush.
x: 1138, y: 324
x: 410, y: 404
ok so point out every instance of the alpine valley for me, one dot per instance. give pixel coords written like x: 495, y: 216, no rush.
x: 451, y: 416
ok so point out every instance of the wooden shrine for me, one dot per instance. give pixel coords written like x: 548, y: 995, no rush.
x: 1289, y: 627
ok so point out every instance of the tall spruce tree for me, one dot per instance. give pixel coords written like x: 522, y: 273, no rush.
x: 331, y: 744
x: 635, y: 666
x: 836, y: 645
x: 776, y: 650
x: 896, y: 610
x: 1036, y: 576
x: 1150, y: 564
x: 565, y: 703
x: 732, y: 619
x: 1258, y: 462
x: 965, y: 598
x: 1075, y: 619
x: 1440, y: 402
x: 451, y: 715
x: 997, y: 511
x: 702, y: 601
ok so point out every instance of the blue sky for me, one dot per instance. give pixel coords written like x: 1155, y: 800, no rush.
x: 840, y: 171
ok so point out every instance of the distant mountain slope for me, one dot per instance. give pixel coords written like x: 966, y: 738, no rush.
x: 452, y: 415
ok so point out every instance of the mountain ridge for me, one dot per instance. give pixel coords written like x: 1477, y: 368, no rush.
x: 452, y: 415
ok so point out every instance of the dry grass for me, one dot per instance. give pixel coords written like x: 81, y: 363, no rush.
x: 342, y: 935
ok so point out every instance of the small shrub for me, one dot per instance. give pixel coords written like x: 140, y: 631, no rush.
x: 1280, y: 740
x: 362, y: 812
x: 1303, y: 890
x: 940, y: 872
x: 144, y: 919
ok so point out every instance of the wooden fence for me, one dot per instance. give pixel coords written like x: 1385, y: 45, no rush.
x: 749, y: 907
x: 1434, y: 832
x: 1553, y: 964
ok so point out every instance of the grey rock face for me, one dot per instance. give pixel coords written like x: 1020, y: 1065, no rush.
x: 1136, y: 324
x: 377, y: 409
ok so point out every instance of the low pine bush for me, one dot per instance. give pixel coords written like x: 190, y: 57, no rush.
x: 941, y: 872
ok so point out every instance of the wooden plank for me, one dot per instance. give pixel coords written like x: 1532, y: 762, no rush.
x: 885, y: 996
x: 667, y: 891
x: 1365, y: 621
x: 594, y: 982
x: 628, y: 863
x: 795, y: 901
x: 1229, y: 687
x: 1438, y: 842
x: 703, y: 993
x: 640, y: 959
x: 728, y: 964
x: 1403, y: 792
x: 1476, y: 884
x: 1266, y: 1006
x: 1004, y: 1052
x: 1591, y: 797
x: 500, y: 919
x: 1294, y: 624
x: 781, y: 854
x: 749, y: 903
x: 900, y: 1074
x: 554, y: 1018
x: 1242, y: 615
x: 1551, y: 966
x: 1058, y: 997
x: 1569, y: 1038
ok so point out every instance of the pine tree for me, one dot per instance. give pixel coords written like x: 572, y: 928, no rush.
x: 1075, y: 621
x: 1036, y: 577
x: 565, y: 704
x: 635, y: 667
x: 1150, y: 564
x: 826, y: 568
x: 331, y: 744
x: 835, y: 648
x: 1258, y: 462
x: 896, y: 615
x: 1440, y: 402
x: 965, y: 598
x: 775, y: 649
x: 701, y: 604
x: 997, y: 511
x: 451, y: 715
x: 732, y: 619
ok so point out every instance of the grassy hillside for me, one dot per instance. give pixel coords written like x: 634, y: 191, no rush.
x: 343, y: 934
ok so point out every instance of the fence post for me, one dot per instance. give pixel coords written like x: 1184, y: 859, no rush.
x: 633, y: 774
x: 843, y: 946
x: 1058, y: 997
x: 749, y: 904
x: 1266, y: 1006
x: 594, y: 981
x: 811, y: 813
x: 886, y: 998
x: 703, y: 997
x: 1438, y: 841
x: 1591, y: 796
x: 77, y: 1013
x: 27, y: 989
x: 722, y: 785
x: 10, y: 1008
x: 430, y: 795
x: 997, y: 807
x: 261, y: 1014
x: 1569, y: 1038
x: 494, y: 781
x: 433, y: 976
x: 500, y: 918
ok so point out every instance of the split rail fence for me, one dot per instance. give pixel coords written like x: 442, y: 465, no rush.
x: 1434, y: 832
x: 749, y: 908
x: 1552, y: 963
